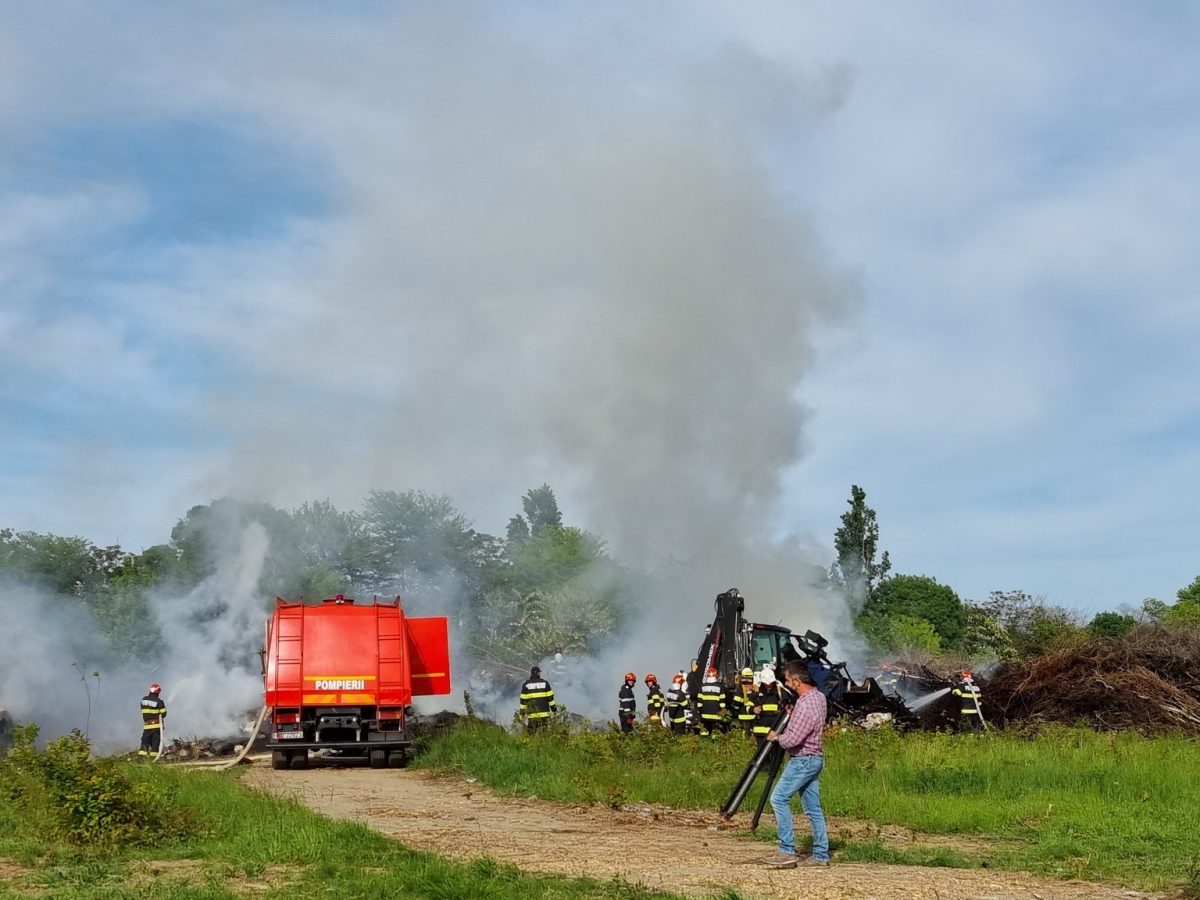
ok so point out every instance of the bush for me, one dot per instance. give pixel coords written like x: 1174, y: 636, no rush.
x: 1111, y: 625
x: 86, y: 801
x: 899, y: 633
x: 920, y: 597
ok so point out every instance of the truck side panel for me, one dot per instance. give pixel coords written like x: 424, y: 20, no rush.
x: 429, y: 654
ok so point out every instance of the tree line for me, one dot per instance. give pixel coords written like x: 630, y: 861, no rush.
x: 542, y: 586
x: 899, y: 613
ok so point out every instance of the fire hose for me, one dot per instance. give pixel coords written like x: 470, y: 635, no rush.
x: 162, y: 737
x: 250, y: 741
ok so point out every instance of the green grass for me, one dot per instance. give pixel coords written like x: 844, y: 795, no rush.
x: 1067, y: 802
x: 247, y: 836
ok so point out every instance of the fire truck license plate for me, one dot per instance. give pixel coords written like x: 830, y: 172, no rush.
x: 288, y: 735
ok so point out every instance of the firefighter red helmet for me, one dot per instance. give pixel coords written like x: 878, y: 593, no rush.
x: 678, y: 679
x: 711, y: 673
x: 650, y: 677
x: 155, y: 688
x: 629, y: 676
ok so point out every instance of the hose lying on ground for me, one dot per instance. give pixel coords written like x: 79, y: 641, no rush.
x: 250, y: 741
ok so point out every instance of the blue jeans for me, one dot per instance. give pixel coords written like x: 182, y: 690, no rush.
x: 801, y: 775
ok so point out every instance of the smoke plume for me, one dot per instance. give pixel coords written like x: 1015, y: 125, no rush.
x: 544, y: 255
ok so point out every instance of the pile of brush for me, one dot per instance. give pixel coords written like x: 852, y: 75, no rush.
x: 1148, y: 680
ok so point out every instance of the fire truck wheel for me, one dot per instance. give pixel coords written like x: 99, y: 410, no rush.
x: 279, y: 759
x: 300, y: 759
x: 378, y: 759
x: 397, y: 759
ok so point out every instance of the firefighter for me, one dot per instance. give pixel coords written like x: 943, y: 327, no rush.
x: 710, y: 705
x: 741, y: 701
x: 970, y: 716
x: 154, y: 710
x: 627, y: 703
x: 537, y: 700
x: 558, y: 665
x: 655, y: 701
x: 767, y: 703
x: 677, y: 704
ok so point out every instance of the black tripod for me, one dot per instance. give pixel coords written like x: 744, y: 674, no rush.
x: 769, y: 756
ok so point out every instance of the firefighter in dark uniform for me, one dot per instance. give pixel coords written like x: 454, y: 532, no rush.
x: 154, y: 710
x: 537, y: 700
x: 677, y: 705
x: 741, y: 701
x: 767, y: 704
x: 655, y: 701
x: 627, y: 703
x: 970, y: 716
x: 710, y: 705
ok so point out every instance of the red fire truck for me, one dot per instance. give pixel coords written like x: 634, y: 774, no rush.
x: 341, y: 676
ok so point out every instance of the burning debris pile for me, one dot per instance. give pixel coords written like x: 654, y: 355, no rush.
x: 1148, y: 680
x: 197, y: 748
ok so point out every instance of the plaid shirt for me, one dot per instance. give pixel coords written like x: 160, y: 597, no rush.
x: 805, y: 731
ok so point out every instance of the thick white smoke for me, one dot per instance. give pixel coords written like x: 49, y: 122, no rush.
x: 546, y: 257
x: 56, y: 667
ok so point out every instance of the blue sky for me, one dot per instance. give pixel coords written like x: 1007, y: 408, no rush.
x: 700, y: 267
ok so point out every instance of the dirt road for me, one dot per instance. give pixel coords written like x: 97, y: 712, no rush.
x: 685, y: 852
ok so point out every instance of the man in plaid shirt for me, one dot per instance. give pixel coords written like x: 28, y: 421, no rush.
x: 802, y: 738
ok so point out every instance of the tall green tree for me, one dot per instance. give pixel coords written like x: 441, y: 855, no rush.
x: 295, y: 561
x: 1187, y: 610
x: 983, y: 637
x: 517, y: 530
x: 856, y: 542
x: 918, y: 597
x: 554, y: 557
x: 1191, y: 593
x: 123, y: 613
x: 418, y: 543
x: 541, y: 509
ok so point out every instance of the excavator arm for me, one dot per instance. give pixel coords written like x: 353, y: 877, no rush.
x: 724, y: 645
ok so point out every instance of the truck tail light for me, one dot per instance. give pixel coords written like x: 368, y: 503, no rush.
x: 290, y: 717
x: 391, y: 713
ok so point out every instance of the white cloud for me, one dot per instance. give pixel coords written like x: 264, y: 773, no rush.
x: 559, y: 247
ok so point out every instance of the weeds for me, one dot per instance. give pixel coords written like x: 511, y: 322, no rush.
x: 282, y: 848
x: 1063, y: 801
x: 88, y: 802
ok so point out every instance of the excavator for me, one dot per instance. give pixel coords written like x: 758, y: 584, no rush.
x: 732, y: 643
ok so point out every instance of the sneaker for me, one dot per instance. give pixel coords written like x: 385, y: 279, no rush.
x: 813, y: 861
x: 781, y: 860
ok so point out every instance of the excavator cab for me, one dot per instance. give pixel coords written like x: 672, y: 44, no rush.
x: 769, y: 645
